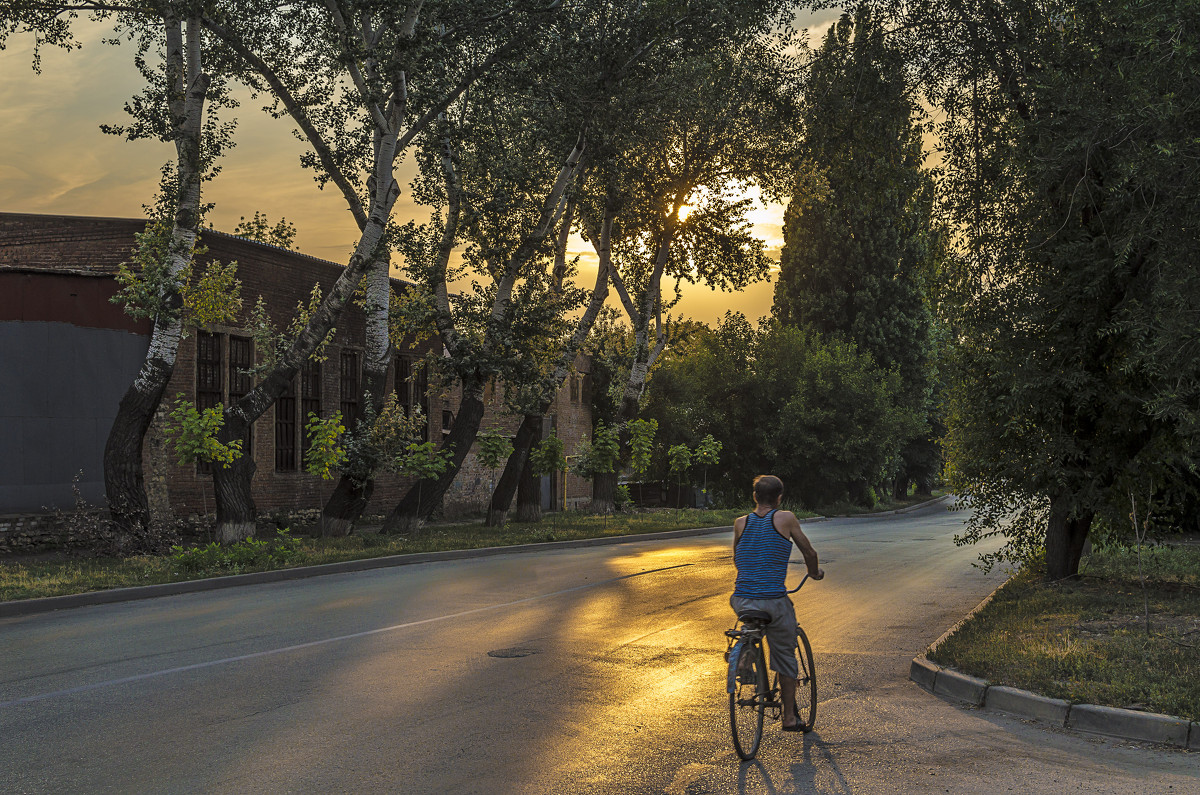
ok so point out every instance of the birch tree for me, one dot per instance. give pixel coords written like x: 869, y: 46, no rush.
x: 593, y: 52
x: 170, y: 52
x: 723, y: 122
x: 360, y: 81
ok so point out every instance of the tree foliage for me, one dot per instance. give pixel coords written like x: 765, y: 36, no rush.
x: 859, y: 239
x: 780, y: 399
x: 1070, y: 165
x: 281, y: 234
x: 325, y: 452
x: 195, y: 434
x: 494, y: 447
x: 547, y: 456
x: 641, y: 444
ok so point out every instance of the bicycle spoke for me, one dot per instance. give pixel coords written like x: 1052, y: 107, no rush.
x: 748, y: 703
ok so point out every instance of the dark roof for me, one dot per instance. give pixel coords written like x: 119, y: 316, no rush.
x: 64, y: 243
x: 94, y: 246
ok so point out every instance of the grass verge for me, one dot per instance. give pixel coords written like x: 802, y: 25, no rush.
x: 1086, y: 640
x: 75, y: 574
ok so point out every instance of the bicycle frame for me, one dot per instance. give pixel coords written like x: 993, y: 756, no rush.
x: 748, y: 639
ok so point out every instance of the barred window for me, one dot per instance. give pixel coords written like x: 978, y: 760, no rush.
x: 349, y: 388
x: 421, y: 398
x: 310, y: 402
x: 403, y: 387
x: 285, y: 430
x: 241, y: 360
x: 210, y: 390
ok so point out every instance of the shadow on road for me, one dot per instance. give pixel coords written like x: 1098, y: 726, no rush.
x: 817, y: 759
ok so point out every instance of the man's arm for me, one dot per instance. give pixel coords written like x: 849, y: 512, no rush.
x: 739, y: 525
x: 791, y: 525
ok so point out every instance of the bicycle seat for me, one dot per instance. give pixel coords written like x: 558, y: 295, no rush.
x: 759, y: 616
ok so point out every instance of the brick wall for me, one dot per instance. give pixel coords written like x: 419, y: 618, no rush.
x: 84, y: 248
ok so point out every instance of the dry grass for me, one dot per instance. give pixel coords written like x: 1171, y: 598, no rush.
x: 1086, y: 640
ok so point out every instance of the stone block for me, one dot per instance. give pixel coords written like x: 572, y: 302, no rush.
x: 960, y: 686
x: 1194, y: 737
x: 1129, y: 724
x: 924, y: 672
x: 1027, y: 705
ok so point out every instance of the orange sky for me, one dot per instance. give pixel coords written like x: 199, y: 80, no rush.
x: 54, y: 159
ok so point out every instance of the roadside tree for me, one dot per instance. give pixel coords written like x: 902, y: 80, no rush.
x: 858, y: 235
x: 1070, y: 165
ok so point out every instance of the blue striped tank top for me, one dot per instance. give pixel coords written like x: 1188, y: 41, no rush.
x: 761, y: 557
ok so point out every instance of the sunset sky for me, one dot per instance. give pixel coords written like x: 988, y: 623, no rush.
x: 54, y: 159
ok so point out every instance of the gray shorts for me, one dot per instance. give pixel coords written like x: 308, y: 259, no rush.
x: 781, y: 632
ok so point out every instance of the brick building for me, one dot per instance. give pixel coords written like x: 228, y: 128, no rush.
x: 67, y: 355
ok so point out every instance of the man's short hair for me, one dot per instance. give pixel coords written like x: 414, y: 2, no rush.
x: 767, y: 489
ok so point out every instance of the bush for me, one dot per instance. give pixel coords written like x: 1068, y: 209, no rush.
x: 622, y: 498
x: 815, y: 411
x: 251, y: 553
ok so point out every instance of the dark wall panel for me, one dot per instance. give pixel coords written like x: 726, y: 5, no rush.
x: 60, y: 385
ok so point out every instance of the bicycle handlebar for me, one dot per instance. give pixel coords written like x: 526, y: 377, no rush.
x: 801, y: 585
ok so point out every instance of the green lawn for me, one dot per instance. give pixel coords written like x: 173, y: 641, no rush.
x: 1086, y: 640
x: 76, y: 574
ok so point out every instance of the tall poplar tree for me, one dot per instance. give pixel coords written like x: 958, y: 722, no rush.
x: 858, y: 248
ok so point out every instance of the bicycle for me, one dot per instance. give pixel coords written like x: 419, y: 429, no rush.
x: 750, y: 698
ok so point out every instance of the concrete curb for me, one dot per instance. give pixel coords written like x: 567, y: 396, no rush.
x: 25, y: 607
x: 1109, y: 721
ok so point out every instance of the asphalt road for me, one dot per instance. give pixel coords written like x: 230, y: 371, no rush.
x: 589, y: 670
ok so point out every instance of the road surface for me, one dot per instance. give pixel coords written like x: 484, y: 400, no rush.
x: 591, y: 670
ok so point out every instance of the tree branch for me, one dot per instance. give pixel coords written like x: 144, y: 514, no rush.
x: 296, y: 111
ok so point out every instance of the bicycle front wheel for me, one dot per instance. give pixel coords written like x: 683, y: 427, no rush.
x: 748, y: 703
x: 806, y: 683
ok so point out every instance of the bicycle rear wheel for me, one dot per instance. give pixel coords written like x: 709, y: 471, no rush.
x: 806, y: 683
x: 748, y: 703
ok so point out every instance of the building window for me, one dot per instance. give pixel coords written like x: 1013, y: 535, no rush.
x: 285, y: 430
x: 241, y: 360
x: 310, y: 402
x: 412, y: 387
x: 403, y: 386
x: 210, y: 390
x: 421, y: 398
x: 574, y: 388
x: 350, y: 388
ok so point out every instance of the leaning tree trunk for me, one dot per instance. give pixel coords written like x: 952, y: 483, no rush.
x: 1066, y: 533
x: 235, y: 517
x: 425, y: 496
x: 355, y: 486
x: 529, y: 491
x: 236, y: 514
x: 527, y: 436
x: 124, y: 480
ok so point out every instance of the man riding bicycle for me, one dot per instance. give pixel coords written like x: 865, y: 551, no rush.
x: 762, y: 546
